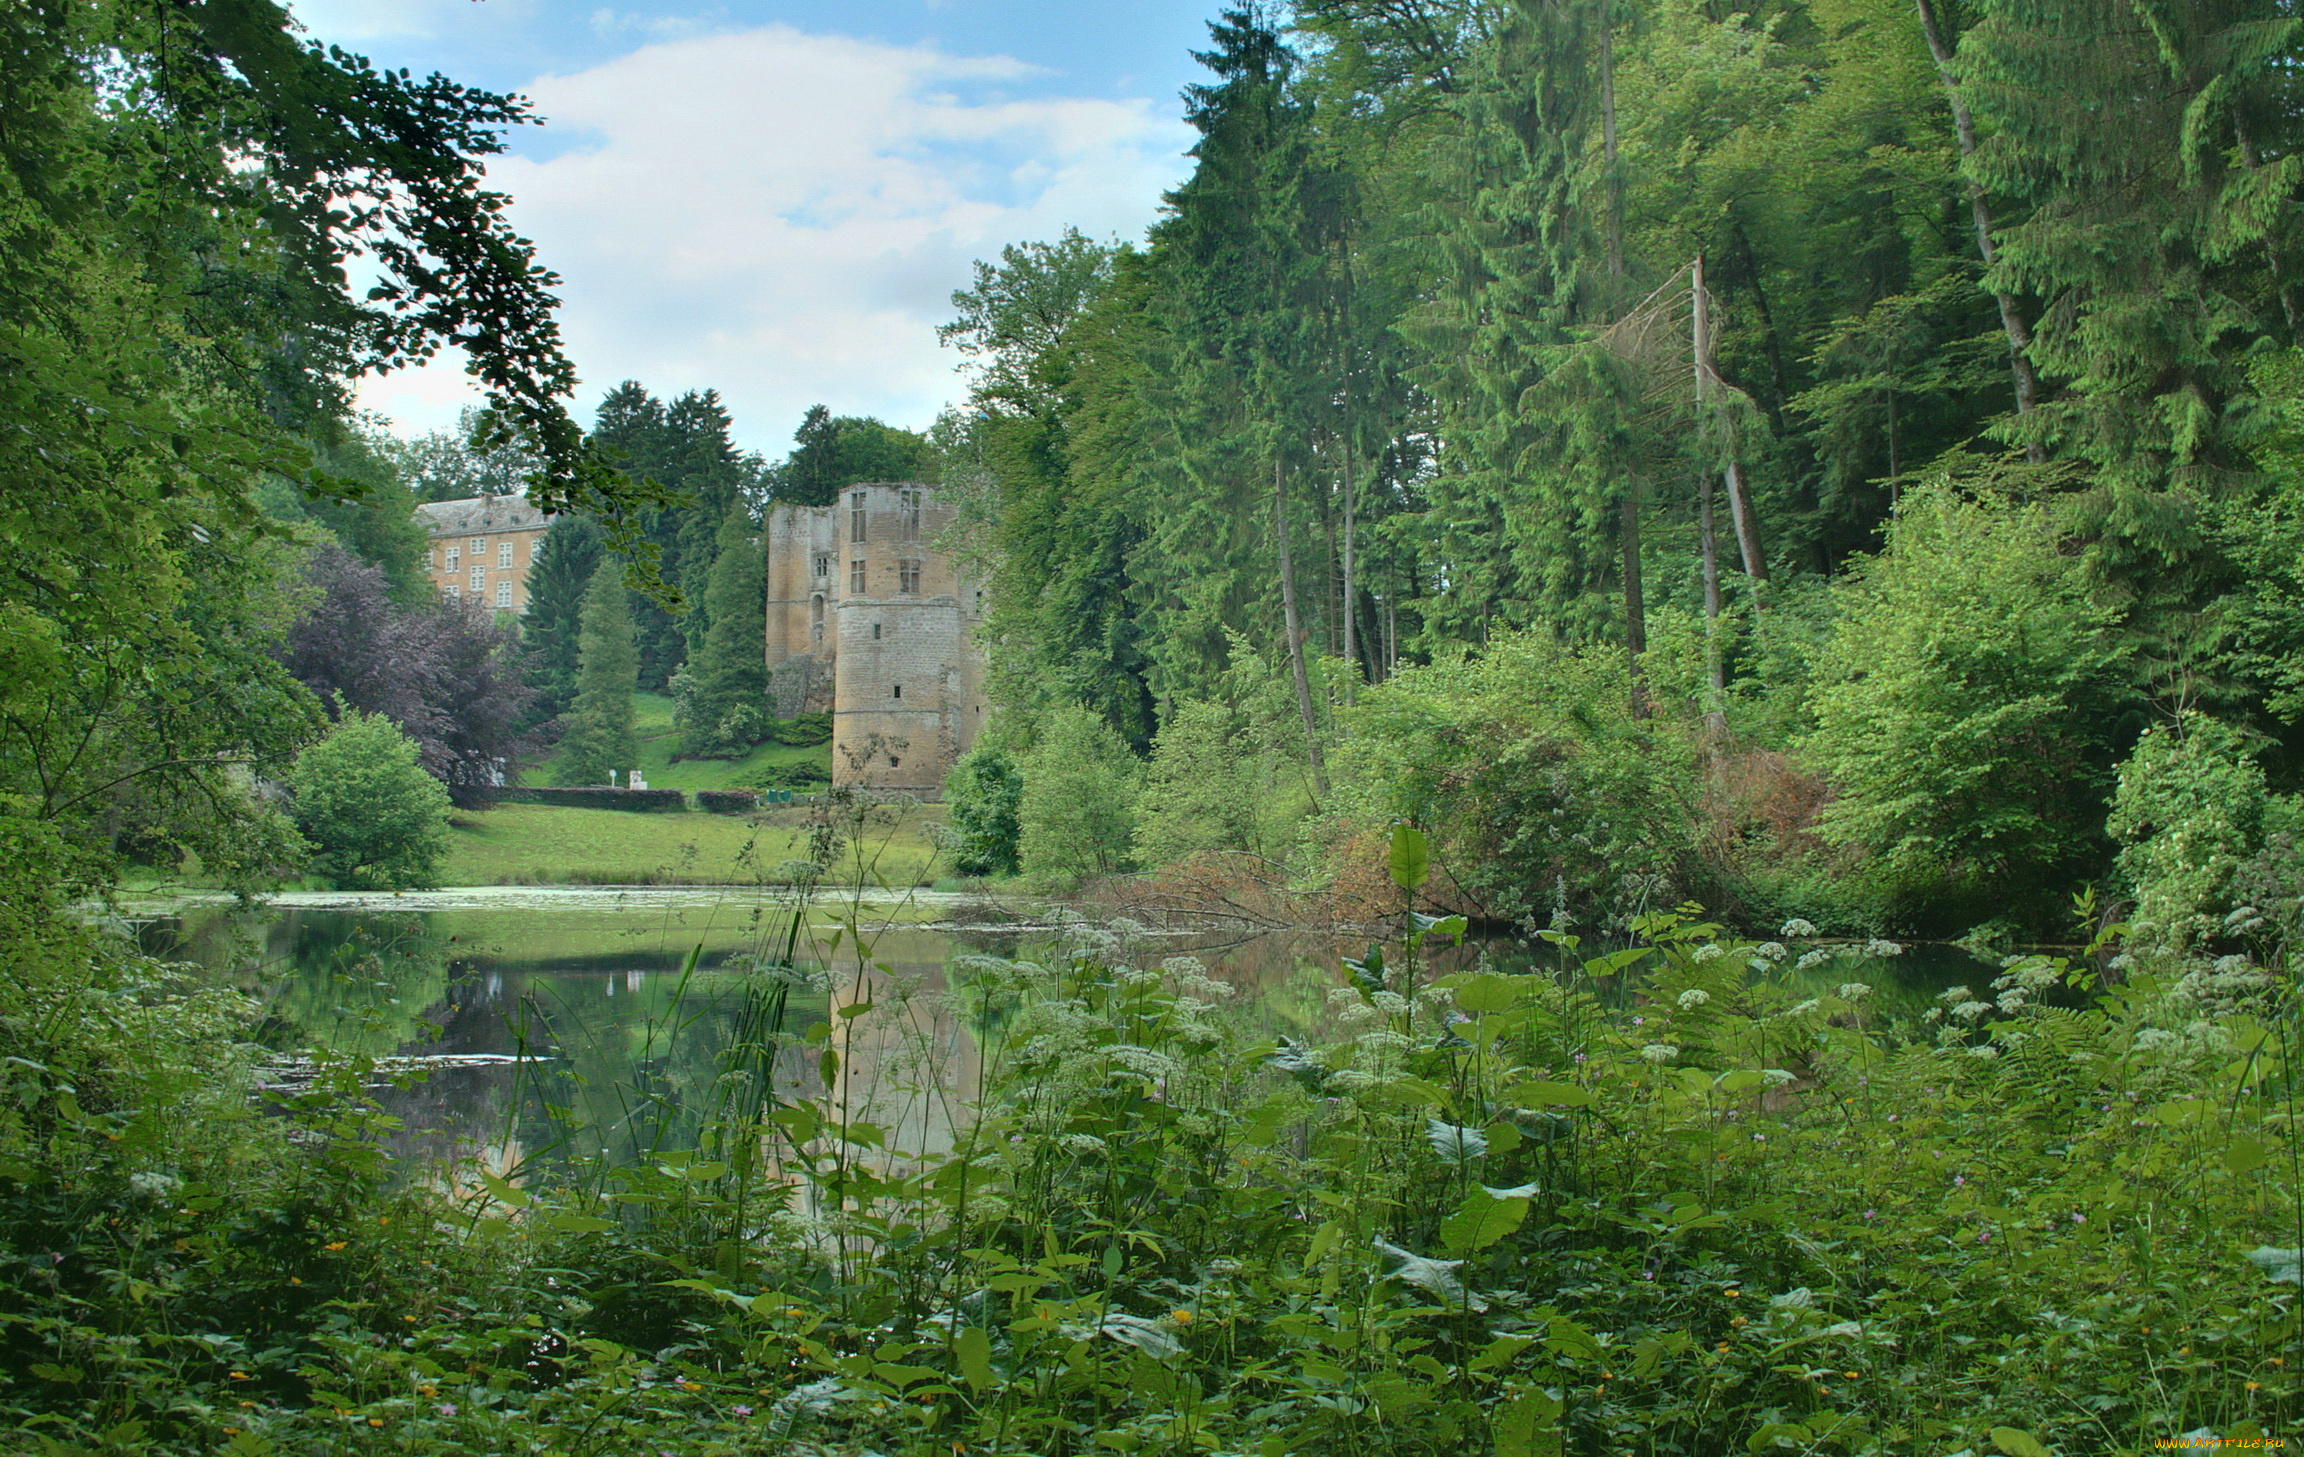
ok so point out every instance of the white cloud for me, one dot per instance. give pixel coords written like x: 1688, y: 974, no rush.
x: 784, y: 216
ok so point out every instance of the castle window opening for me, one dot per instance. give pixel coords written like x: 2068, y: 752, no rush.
x: 504, y: 553
x: 979, y: 601
x: 503, y: 594
x: 453, y: 591
x: 856, y: 516
x: 908, y: 578
x: 896, y: 691
x: 875, y: 632
x: 908, y: 507
x: 893, y: 762
x: 823, y: 566
x: 856, y: 578
x: 480, y: 577
x: 453, y: 558
x: 479, y: 545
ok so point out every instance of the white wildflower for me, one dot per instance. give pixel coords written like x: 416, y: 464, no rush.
x: 1984, y: 1052
x: 1969, y: 1011
x: 1352, y: 1080
x: 1772, y: 950
x: 1776, y: 1077
x: 1344, y: 997
x: 1804, y: 1008
x: 1709, y: 951
x: 2156, y: 1039
x: 1391, y: 1004
x: 1143, y: 1061
x: 1659, y: 1052
x: 1357, y: 1013
x: 1693, y: 998
x: 1384, y: 1039
x: 1083, y: 1143
x: 1811, y: 959
x: 1853, y: 991
x: 2012, y: 1000
x: 152, y: 1185
x: 2229, y: 964
x: 1796, y: 928
x: 1879, y: 947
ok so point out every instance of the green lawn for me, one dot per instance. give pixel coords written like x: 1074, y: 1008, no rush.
x: 535, y: 844
x: 658, y: 743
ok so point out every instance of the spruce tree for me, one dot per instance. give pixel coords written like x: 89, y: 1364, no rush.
x: 2152, y: 153
x: 549, y: 629
x: 600, y: 738
x: 725, y: 706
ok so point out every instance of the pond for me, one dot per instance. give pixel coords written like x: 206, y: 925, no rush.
x: 545, y: 1015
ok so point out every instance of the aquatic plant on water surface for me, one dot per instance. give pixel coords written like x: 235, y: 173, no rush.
x: 1480, y: 1213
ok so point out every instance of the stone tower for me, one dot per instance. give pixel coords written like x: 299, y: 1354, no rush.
x: 868, y: 621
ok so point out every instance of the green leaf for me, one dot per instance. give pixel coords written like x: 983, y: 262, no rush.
x: 504, y: 1192
x: 1551, y: 1095
x: 1411, y: 859
x: 2017, y: 1442
x: 577, y: 1223
x: 1571, y: 1340
x: 1482, y: 1219
x: 973, y: 1350
x: 1487, y: 991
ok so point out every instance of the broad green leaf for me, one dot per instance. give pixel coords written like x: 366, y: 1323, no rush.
x: 1487, y: 991
x: 1528, y: 1425
x: 1550, y: 1095
x: 1482, y: 1219
x: 577, y: 1223
x: 505, y: 1192
x: 1411, y: 859
x: 973, y: 1350
x: 1571, y: 1340
x: 2017, y: 1442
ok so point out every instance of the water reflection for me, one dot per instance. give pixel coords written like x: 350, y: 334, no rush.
x: 620, y: 1038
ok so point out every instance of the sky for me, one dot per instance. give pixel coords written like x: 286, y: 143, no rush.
x: 776, y: 199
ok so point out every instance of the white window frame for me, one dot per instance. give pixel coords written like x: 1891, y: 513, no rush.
x: 857, y: 520
x: 504, y: 552
x: 504, y: 593
x: 478, y: 577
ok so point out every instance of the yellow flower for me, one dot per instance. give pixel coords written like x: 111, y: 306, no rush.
x: 2255, y: 1386
x: 1732, y: 1294
x: 1181, y: 1317
x: 1739, y: 1322
x: 375, y: 1421
x: 691, y: 1386
x: 333, y: 1248
x: 1723, y: 1346
x: 1851, y: 1375
x: 295, y: 1279
x: 240, y: 1376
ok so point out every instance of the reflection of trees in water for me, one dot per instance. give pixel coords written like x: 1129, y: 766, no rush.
x: 355, y: 982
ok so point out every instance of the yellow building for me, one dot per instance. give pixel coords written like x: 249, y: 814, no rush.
x: 483, y: 546
x: 869, y: 622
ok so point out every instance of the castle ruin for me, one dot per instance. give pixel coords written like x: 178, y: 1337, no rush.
x: 869, y: 622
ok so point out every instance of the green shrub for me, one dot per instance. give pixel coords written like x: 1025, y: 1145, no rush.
x: 1212, y: 786
x: 1546, y: 797
x: 1075, y: 816
x: 982, y: 796
x: 376, y: 820
x: 1968, y: 702
x: 803, y: 731
x: 637, y: 801
x: 2189, y: 811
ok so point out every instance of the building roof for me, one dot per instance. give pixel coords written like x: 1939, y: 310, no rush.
x: 480, y: 514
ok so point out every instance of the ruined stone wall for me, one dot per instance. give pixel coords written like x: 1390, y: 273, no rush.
x: 868, y: 620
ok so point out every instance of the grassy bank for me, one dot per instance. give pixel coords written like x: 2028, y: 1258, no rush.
x: 652, y: 715
x: 531, y: 844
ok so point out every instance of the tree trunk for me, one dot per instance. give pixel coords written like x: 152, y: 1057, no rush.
x: 1351, y: 591
x: 1740, y: 515
x: 2011, y: 320
x: 1635, y: 607
x: 1715, y: 670
x: 1295, y: 636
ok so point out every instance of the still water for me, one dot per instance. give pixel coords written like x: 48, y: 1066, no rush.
x: 586, y: 1002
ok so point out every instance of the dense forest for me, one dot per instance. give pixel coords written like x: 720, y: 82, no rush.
x: 1704, y: 495
x: 1800, y: 459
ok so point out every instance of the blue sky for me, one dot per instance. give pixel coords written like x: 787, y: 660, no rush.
x: 777, y: 199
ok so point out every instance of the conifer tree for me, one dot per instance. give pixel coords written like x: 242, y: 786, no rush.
x: 601, y: 739
x: 724, y: 705
x: 2153, y: 149
x: 550, y: 627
